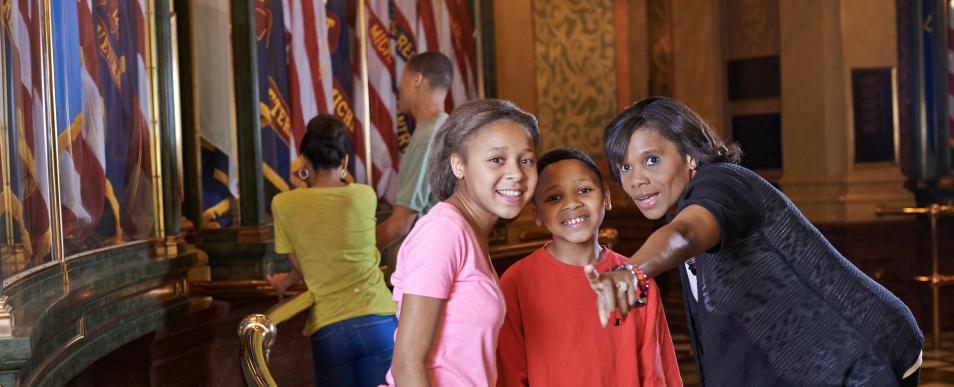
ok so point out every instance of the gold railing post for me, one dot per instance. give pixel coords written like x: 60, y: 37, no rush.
x: 256, y: 336
x: 935, y: 280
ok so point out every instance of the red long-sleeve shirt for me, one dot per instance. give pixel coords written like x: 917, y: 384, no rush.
x: 552, y: 334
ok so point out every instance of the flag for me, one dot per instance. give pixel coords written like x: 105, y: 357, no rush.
x: 79, y: 119
x: 215, y: 92
x: 382, y: 98
x: 119, y: 28
x: 309, y: 70
x: 447, y: 28
x: 275, y: 117
x: 29, y: 194
x: 342, y: 80
x: 404, y: 40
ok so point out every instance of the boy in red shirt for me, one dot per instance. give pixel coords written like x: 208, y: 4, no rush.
x: 550, y: 336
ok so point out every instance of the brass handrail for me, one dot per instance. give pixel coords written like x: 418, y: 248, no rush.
x: 936, y: 279
x: 257, y: 334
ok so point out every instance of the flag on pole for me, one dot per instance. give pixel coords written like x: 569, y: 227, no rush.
x: 79, y: 119
x: 309, y: 70
x: 274, y: 112
x: 119, y: 27
x: 382, y: 98
x: 29, y: 195
x: 404, y: 40
x: 342, y: 103
x: 446, y: 26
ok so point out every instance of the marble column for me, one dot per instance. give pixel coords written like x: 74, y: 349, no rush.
x: 821, y: 41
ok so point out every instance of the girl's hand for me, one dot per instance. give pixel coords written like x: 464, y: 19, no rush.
x: 279, y: 281
x: 615, y: 292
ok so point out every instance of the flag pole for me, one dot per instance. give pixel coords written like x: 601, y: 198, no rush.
x: 5, y: 142
x: 478, y: 36
x: 366, y: 99
x: 52, y: 143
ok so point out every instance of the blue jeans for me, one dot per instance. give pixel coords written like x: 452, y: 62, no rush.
x: 354, y: 352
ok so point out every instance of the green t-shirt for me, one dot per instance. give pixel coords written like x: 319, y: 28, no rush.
x: 331, y: 230
x: 413, y: 191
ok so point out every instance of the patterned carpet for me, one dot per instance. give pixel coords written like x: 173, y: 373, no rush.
x: 937, y: 368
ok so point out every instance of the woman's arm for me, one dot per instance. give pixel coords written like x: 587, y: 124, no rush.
x: 693, y: 231
x: 415, y: 336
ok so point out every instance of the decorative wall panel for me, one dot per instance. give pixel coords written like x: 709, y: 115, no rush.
x: 575, y: 71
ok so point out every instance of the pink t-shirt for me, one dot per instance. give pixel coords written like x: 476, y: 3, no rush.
x: 441, y: 258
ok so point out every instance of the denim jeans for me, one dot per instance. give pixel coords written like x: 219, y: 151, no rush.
x: 354, y: 352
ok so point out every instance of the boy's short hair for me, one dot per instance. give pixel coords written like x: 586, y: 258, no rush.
x: 561, y: 154
x: 435, y: 67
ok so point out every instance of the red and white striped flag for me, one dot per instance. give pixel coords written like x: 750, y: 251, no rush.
x: 82, y: 145
x: 383, y: 100
x: 446, y: 27
x: 309, y: 70
x: 31, y: 179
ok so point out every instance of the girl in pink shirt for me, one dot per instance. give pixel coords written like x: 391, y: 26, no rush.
x: 450, y: 308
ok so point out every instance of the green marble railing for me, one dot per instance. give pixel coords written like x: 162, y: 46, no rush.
x: 69, y: 314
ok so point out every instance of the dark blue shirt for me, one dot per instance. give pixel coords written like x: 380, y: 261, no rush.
x: 778, y: 305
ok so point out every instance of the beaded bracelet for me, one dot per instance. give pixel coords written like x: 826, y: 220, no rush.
x: 642, y: 282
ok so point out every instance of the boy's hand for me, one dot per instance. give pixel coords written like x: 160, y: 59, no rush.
x: 615, y: 291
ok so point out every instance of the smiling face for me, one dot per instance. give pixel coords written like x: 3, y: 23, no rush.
x: 570, y: 202
x: 653, y: 172
x: 497, y: 174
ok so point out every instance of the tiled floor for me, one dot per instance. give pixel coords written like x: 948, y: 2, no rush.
x: 937, y: 368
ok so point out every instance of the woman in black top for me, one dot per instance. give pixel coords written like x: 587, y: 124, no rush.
x: 769, y: 301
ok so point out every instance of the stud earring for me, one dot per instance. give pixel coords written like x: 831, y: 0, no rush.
x: 342, y: 174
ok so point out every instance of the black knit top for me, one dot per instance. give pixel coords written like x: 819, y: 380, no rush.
x: 775, y: 304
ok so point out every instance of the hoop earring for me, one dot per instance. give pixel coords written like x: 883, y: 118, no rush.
x: 302, y: 174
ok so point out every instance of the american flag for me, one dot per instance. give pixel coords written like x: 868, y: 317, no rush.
x: 447, y: 28
x: 28, y: 197
x: 309, y: 69
x: 323, y: 71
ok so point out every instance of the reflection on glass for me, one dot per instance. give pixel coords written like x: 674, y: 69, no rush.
x: 103, y: 123
x: 24, y: 207
x: 214, y: 110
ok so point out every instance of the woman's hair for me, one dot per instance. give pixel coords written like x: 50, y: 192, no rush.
x: 672, y: 120
x: 326, y: 142
x: 465, y: 123
x: 561, y: 154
